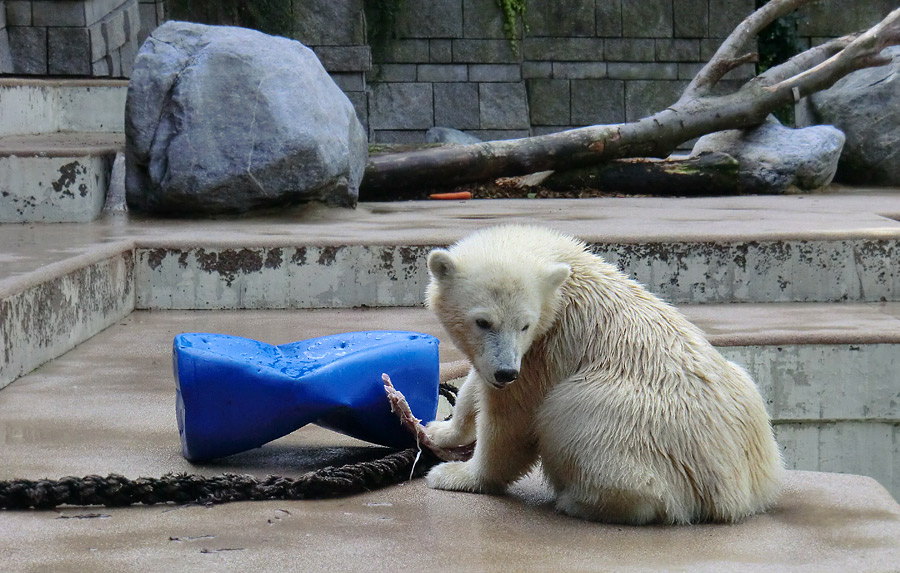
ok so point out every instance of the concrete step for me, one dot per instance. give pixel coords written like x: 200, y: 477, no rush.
x: 827, y: 248
x: 56, y: 177
x: 214, y: 274
x: 45, y: 106
x: 828, y: 372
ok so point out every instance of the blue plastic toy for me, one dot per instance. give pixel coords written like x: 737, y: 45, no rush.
x: 235, y: 394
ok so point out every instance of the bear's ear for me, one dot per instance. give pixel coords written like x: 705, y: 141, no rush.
x: 441, y: 264
x: 556, y: 276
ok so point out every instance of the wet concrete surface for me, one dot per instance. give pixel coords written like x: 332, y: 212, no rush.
x: 108, y: 406
x: 842, y: 213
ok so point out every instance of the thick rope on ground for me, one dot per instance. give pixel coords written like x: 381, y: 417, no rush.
x: 115, y: 490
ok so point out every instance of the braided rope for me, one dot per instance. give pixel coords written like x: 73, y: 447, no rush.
x: 116, y: 490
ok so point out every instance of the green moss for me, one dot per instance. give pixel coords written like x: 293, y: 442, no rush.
x: 512, y: 11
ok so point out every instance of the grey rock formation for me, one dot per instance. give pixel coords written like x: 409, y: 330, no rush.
x: 449, y: 135
x: 222, y: 119
x: 865, y: 105
x: 778, y: 159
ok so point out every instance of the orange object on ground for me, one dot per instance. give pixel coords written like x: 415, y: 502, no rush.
x: 462, y: 195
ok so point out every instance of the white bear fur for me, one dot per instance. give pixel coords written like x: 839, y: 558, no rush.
x: 635, y: 417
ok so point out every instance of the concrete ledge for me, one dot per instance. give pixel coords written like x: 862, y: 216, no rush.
x: 281, y: 277
x: 62, y: 144
x: 43, y: 106
x: 773, y: 324
x: 212, y: 273
x: 67, y: 188
x: 658, y: 229
x: 55, y: 177
x: 42, y: 317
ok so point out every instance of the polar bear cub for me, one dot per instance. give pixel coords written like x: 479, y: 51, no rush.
x: 634, y: 416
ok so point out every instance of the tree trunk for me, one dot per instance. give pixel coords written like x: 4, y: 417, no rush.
x: 697, y: 113
x: 705, y: 174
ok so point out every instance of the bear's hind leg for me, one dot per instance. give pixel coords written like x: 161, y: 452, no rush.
x: 594, y: 459
x: 613, y: 507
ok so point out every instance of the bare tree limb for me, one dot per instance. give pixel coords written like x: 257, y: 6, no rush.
x: 805, y: 60
x: 727, y: 56
x: 694, y: 114
x: 864, y: 51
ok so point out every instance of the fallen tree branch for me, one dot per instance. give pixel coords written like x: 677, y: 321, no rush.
x: 695, y: 114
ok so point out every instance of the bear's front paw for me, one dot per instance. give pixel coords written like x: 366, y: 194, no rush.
x: 444, y: 434
x: 457, y: 476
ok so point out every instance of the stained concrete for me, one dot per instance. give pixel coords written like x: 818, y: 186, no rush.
x: 57, y: 177
x: 869, y: 214
x: 308, y: 276
x: 108, y: 406
x: 59, y: 311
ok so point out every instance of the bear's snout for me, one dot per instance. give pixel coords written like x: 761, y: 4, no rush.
x: 506, y: 375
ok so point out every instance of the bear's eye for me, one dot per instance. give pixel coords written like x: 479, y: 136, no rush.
x: 482, y: 324
x: 526, y: 327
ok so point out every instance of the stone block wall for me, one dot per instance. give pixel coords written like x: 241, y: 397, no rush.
x: 72, y: 37
x: 336, y: 31
x: 5, y: 55
x: 152, y: 14
x: 580, y: 62
x: 827, y: 19
x: 621, y: 59
x: 450, y: 65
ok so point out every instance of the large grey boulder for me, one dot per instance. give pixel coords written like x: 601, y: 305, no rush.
x: 778, y: 159
x: 865, y: 105
x: 221, y: 119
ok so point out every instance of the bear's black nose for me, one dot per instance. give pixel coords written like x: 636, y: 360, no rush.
x: 506, y: 376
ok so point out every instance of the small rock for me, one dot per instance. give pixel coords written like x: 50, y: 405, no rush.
x: 865, y: 105
x: 449, y: 135
x: 778, y: 159
x: 222, y: 119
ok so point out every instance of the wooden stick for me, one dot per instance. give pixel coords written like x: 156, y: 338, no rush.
x: 400, y: 406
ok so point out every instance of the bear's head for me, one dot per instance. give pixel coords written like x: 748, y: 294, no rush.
x: 493, y: 304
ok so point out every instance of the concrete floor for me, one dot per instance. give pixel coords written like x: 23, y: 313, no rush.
x: 107, y: 406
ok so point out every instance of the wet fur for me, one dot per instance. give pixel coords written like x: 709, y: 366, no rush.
x: 635, y: 417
